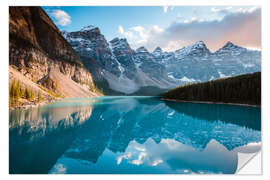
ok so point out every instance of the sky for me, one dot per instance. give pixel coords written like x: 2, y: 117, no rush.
x: 170, y: 28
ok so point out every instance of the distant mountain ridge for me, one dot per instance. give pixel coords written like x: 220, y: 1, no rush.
x: 125, y: 70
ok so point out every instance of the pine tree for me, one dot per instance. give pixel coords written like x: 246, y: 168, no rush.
x: 18, y: 89
x: 27, y: 93
x: 22, y: 92
x: 39, y: 98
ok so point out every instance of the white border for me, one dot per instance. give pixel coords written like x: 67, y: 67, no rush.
x: 4, y: 77
x: 134, y: 2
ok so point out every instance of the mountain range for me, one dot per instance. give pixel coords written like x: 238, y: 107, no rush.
x: 118, y: 69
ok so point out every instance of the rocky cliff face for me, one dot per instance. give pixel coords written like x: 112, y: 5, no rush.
x: 90, y: 43
x: 39, y: 52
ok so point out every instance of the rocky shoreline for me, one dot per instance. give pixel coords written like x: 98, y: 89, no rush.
x: 32, y: 104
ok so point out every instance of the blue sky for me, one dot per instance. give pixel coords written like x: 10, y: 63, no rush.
x: 143, y: 26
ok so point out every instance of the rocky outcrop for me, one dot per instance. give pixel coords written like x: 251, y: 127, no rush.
x: 37, y: 48
x: 90, y: 43
x: 30, y: 27
x: 124, y: 55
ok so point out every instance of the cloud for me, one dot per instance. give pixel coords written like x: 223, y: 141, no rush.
x: 193, y: 18
x: 165, y: 9
x: 156, y: 162
x: 138, y: 36
x: 139, y: 161
x: 242, y: 27
x: 127, y: 34
x: 223, y: 11
x: 215, y: 9
x: 121, y: 29
x: 125, y: 156
x: 62, y: 18
x: 141, y: 31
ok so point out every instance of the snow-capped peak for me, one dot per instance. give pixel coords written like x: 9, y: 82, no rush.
x: 194, y: 49
x: 64, y: 34
x: 199, y: 45
x: 142, y: 50
x: 229, y: 44
x: 158, y: 49
x: 88, y: 28
x: 118, y: 42
x: 230, y: 48
x: 157, y: 52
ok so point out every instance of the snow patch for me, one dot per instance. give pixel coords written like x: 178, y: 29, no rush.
x: 88, y: 28
x: 222, y: 75
x: 248, y: 65
x: 187, y: 79
x: 76, y: 39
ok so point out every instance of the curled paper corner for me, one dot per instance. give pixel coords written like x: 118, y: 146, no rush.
x: 249, y: 163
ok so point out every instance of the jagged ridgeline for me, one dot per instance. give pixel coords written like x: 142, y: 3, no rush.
x: 243, y: 89
x: 119, y: 69
x: 41, y: 59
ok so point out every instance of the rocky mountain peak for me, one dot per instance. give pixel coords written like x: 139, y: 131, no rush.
x: 116, y: 42
x: 90, y: 28
x: 200, y: 45
x: 157, y: 53
x: 197, y: 49
x: 142, y: 50
x: 230, y: 49
x: 64, y: 33
x: 120, y: 46
x: 157, y: 50
x: 228, y: 45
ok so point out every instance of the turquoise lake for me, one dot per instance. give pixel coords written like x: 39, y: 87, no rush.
x: 131, y: 135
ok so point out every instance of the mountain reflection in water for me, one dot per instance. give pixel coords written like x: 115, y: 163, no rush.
x: 131, y: 135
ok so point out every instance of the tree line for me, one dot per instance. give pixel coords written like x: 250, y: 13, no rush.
x: 243, y: 89
x: 17, y: 92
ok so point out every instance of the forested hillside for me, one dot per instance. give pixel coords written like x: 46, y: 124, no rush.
x: 243, y: 89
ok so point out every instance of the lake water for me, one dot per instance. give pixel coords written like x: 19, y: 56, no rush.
x: 131, y: 135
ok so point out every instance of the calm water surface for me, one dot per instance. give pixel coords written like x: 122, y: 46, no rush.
x: 131, y: 135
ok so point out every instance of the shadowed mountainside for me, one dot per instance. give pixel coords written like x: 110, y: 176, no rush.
x: 39, y: 53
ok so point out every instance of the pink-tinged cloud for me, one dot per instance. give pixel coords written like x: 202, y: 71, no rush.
x: 242, y: 28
